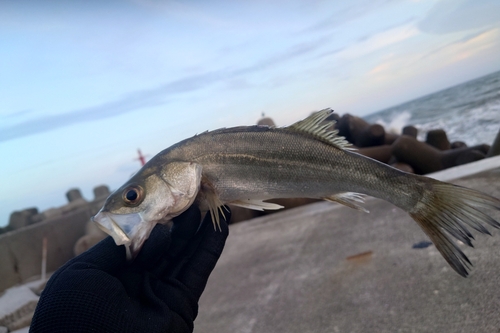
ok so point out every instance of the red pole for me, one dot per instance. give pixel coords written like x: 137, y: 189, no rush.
x: 141, y: 158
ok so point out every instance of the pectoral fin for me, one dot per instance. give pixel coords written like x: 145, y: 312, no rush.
x: 208, y: 194
x: 348, y: 199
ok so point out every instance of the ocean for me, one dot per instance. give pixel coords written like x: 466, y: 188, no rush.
x: 468, y: 112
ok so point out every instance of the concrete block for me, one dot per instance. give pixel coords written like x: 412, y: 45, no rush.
x: 403, y: 167
x: 438, y: 139
x: 239, y: 214
x: 93, y: 235
x: 74, y: 194
x: 101, y: 192
x: 266, y: 122
x: 17, y: 306
x: 390, y: 138
x: 380, y: 153
x: 458, y: 144
x: 21, y: 250
x: 86, y: 242
x: 359, y: 132
x: 495, y: 146
x: 424, y: 158
x: 23, y: 218
x: 410, y: 131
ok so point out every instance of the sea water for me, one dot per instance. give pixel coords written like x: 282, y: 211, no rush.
x: 468, y: 112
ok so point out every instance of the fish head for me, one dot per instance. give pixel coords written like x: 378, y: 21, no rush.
x: 153, y: 195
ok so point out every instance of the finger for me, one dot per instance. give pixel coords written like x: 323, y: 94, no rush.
x: 166, y: 240
x: 105, y: 256
x: 182, y: 232
x: 196, y: 271
x: 184, y: 229
x: 155, y: 248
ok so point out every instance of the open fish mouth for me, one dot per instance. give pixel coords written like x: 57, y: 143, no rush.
x: 123, y: 228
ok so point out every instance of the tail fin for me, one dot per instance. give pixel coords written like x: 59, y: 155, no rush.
x: 451, y: 208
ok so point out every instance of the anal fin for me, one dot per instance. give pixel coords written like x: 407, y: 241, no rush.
x: 256, y: 204
x: 349, y: 199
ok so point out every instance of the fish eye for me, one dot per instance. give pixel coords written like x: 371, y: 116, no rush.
x: 132, y: 195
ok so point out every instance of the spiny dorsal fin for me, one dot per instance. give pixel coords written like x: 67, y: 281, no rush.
x: 313, y: 125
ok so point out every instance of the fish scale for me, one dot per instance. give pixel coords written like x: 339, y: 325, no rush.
x: 281, y: 162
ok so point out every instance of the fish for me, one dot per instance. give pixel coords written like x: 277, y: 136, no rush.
x: 247, y: 165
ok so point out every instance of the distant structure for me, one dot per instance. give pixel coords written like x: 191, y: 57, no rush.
x: 141, y: 158
x: 23, y: 218
x: 74, y: 195
x: 67, y: 230
x: 30, y: 216
x: 266, y: 121
x: 101, y: 192
x: 62, y: 227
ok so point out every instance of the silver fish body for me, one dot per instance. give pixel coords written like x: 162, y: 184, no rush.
x: 246, y: 165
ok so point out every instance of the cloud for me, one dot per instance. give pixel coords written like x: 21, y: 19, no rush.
x: 458, y: 15
x: 17, y: 114
x: 152, y: 97
x: 130, y: 102
x: 366, y: 38
x: 379, y: 41
x: 296, y: 51
x: 187, y: 11
x: 467, y: 46
x: 354, y: 10
x: 462, y: 40
x: 383, y: 67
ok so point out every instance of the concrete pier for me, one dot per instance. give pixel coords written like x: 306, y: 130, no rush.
x: 328, y: 268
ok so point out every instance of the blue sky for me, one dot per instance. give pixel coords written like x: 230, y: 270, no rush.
x: 84, y: 84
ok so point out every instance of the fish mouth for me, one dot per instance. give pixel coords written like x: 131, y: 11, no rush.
x: 125, y: 229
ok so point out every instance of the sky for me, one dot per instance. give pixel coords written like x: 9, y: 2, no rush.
x: 84, y: 84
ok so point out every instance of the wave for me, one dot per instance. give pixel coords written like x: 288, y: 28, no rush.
x: 469, y: 112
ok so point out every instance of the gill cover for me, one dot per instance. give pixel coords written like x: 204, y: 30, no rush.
x: 163, y: 194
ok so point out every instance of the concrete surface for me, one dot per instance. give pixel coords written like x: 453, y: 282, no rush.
x: 21, y: 250
x: 328, y: 268
x: 17, y: 306
x: 22, y: 330
x: 466, y: 170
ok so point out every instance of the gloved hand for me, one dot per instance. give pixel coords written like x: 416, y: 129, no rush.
x: 99, y: 291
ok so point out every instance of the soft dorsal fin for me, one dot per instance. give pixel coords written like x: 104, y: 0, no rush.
x: 314, y: 125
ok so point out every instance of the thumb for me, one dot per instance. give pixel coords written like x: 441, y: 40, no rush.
x: 105, y: 256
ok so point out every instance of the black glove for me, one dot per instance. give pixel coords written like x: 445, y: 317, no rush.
x: 99, y: 291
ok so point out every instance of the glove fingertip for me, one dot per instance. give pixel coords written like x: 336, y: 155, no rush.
x: 196, y: 273
x: 105, y: 255
x: 156, y: 245
x: 186, y: 224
